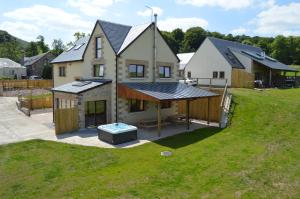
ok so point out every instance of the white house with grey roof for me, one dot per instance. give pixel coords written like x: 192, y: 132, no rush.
x: 10, y: 69
x: 232, y: 61
x: 120, y: 73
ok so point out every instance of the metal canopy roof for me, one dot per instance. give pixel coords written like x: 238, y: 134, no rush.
x: 77, y: 87
x: 169, y: 90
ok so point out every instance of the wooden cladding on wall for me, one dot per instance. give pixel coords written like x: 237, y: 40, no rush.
x: 66, y: 120
x: 199, y: 109
x: 241, y: 79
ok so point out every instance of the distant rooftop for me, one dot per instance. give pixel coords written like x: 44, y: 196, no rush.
x: 229, y: 49
x: 7, y: 63
x: 184, y: 59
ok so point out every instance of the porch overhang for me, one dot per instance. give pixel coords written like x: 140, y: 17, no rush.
x: 162, y: 91
x: 158, y: 92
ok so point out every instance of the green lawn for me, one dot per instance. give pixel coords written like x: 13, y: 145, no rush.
x: 258, y: 156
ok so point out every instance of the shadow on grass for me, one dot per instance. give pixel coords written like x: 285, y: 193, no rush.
x: 188, y: 138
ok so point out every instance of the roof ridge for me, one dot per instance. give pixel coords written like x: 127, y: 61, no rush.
x: 236, y: 42
x: 100, y: 20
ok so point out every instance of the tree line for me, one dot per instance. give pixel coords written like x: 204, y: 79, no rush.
x: 284, y: 49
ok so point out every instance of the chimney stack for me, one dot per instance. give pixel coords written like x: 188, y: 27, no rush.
x: 154, y: 48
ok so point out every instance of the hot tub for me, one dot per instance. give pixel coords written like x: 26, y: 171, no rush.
x: 117, y: 133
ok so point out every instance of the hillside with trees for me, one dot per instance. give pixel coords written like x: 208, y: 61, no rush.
x: 284, y: 49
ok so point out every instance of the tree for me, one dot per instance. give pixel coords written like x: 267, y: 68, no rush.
x: 178, y: 36
x: 279, y: 49
x: 42, y: 47
x: 11, y: 50
x: 171, y: 41
x: 57, y: 47
x: 32, y: 49
x: 193, y: 39
x: 79, y: 35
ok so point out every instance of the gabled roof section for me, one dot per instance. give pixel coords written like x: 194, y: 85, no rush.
x: 115, y: 33
x: 184, y: 59
x: 229, y: 48
x: 224, y: 46
x: 73, y: 53
x: 133, y: 34
x: 31, y: 60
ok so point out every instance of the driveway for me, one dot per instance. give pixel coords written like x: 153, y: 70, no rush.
x: 15, y: 126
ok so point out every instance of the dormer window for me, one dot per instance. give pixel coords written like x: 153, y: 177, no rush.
x: 98, y: 47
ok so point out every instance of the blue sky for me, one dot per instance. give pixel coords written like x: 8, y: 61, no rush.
x: 27, y: 19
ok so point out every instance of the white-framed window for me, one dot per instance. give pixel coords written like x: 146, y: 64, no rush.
x: 221, y: 74
x: 215, y: 74
x: 62, y: 71
x: 98, y: 70
x: 164, y: 71
x: 98, y: 47
x: 136, y: 71
x: 189, y: 74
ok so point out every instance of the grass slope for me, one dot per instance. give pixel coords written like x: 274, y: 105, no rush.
x: 256, y: 157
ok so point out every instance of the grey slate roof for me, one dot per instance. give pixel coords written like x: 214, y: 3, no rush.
x: 119, y: 36
x: 228, y: 48
x: 73, y: 54
x: 77, y: 87
x: 115, y: 33
x: 31, y: 60
x: 133, y: 33
x: 267, y: 61
x: 169, y: 90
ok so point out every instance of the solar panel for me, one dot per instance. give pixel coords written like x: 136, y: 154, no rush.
x: 271, y: 59
x: 70, y: 48
x: 80, y: 84
x: 78, y: 46
x: 254, y: 55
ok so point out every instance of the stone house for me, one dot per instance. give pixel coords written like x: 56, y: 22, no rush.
x: 120, y: 73
x: 11, y: 70
x: 35, y: 65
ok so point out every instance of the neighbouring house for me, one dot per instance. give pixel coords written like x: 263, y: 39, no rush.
x: 10, y: 69
x: 238, y: 64
x: 37, y: 64
x: 184, y: 60
x: 120, y: 73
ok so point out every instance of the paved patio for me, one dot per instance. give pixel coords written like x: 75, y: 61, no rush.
x: 16, y: 127
x: 89, y: 137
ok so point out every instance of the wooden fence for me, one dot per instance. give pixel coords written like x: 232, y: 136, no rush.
x: 25, y: 84
x: 36, y: 103
x: 199, y: 109
x: 66, y: 120
x: 241, y: 79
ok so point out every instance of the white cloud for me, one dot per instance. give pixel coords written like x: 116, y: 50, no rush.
x: 93, y: 8
x: 148, y: 12
x: 267, y: 4
x: 21, y: 30
x: 226, y: 4
x: 283, y: 19
x: 239, y: 31
x: 27, y: 23
x: 170, y: 24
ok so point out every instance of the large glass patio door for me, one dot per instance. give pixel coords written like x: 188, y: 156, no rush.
x: 95, y: 113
